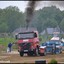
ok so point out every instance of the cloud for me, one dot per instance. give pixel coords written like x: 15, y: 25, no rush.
x: 40, y: 4
x: 58, y: 4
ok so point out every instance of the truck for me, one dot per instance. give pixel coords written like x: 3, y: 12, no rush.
x: 28, y: 42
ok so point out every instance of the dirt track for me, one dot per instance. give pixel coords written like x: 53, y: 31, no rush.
x: 14, y: 57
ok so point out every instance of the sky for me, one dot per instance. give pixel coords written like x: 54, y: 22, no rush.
x: 23, y: 4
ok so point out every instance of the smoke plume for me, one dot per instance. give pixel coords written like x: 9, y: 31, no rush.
x: 30, y: 11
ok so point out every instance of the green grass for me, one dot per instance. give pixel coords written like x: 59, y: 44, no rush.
x: 53, y: 61
x: 5, y: 41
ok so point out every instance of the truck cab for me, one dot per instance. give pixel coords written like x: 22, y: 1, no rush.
x: 28, y: 42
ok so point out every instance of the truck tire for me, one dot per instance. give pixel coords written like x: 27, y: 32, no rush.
x: 36, y: 52
x: 58, y: 52
x: 21, y: 53
x: 61, y: 51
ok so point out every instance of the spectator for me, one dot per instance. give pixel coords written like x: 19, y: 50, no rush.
x: 9, y: 46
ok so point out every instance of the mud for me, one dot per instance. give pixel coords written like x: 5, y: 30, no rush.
x: 14, y: 57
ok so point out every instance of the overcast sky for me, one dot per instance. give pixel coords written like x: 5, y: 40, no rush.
x: 23, y: 4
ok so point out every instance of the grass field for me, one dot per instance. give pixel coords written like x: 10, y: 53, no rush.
x: 5, y: 41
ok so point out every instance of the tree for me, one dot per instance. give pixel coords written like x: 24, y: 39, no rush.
x: 3, y: 27
x: 14, y: 18
x: 13, y: 8
x: 46, y: 17
x: 62, y: 25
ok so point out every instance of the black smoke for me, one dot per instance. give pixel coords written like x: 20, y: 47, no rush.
x: 30, y: 12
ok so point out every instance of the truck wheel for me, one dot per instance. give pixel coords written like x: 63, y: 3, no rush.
x: 21, y: 53
x: 58, y: 52
x: 61, y: 51
x: 37, y: 52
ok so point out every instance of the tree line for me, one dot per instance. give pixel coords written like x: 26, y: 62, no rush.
x: 47, y: 17
x: 10, y: 19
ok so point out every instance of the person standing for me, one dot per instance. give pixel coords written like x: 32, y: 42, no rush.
x: 10, y: 47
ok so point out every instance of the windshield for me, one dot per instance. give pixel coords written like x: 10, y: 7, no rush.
x: 25, y: 35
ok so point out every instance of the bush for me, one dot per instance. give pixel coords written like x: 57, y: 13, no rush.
x: 53, y: 61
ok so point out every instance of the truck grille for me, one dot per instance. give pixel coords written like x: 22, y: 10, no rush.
x: 25, y: 46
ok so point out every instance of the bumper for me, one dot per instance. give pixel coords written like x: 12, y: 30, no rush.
x: 25, y: 51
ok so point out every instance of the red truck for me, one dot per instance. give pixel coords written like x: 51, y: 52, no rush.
x: 28, y: 42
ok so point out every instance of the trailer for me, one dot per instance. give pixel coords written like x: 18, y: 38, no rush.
x: 51, y: 47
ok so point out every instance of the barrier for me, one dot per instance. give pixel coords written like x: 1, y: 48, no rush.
x: 40, y: 62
